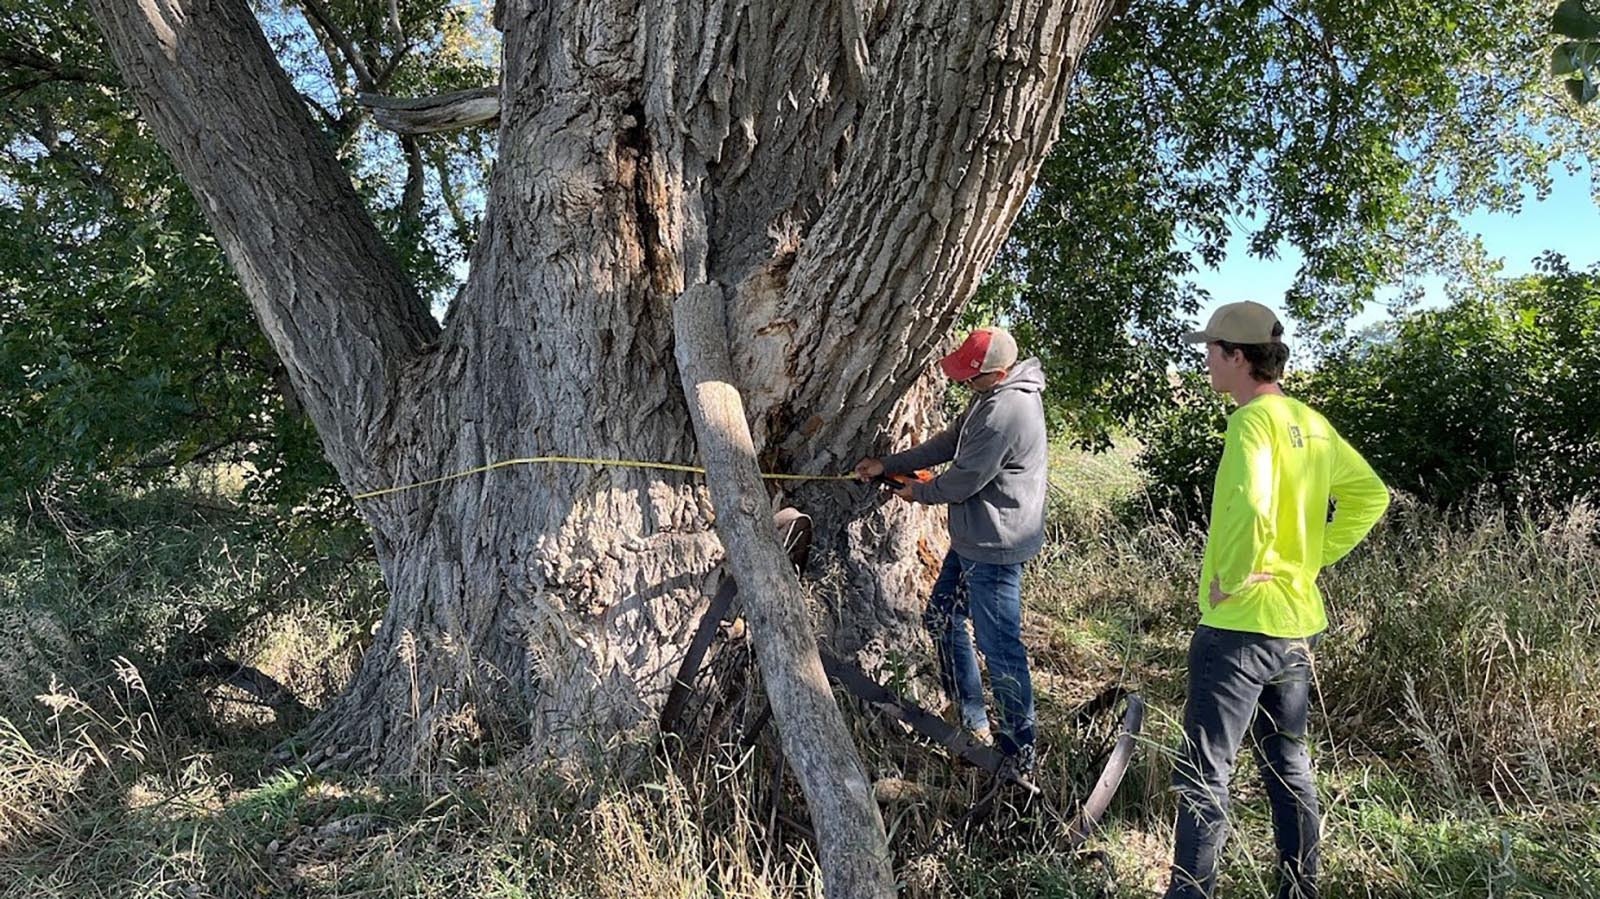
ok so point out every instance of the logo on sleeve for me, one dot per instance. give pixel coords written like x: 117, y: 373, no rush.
x: 1296, y: 439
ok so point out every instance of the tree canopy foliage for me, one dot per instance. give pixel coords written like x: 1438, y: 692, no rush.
x: 1488, y: 399
x: 1354, y: 133
x: 1576, y: 60
x: 126, y: 346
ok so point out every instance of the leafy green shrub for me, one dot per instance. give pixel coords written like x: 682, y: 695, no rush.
x: 1181, y: 447
x: 1490, y: 398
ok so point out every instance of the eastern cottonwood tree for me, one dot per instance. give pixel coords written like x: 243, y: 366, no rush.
x: 844, y: 171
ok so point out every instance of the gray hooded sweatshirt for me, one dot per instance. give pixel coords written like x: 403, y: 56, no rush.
x: 997, y: 484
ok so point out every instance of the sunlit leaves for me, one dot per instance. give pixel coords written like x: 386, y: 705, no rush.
x: 1355, y: 133
x: 1576, y: 60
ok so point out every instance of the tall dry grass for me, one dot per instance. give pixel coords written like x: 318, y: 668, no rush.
x: 1456, y: 736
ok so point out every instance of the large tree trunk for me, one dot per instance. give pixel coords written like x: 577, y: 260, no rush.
x: 846, y: 168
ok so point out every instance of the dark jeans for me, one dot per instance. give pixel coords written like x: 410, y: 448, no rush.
x: 1242, y: 682
x: 990, y: 596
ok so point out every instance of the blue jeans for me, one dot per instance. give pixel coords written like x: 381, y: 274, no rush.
x: 990, y: 596
x: 1243, y: 683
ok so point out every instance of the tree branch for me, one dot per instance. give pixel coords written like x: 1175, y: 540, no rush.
x: 49, y: 69
x: 447, y: 192
x: 411, y: 197
x: 318, y: 13
x: 202, y: 455
x: 327, y: 292
x: 43, y: 130
x: 442, y: 112
x: 394, y: 20
x: 345, y: 57
x: 381, y: 78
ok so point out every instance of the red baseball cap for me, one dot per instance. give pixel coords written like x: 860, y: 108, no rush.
x: 985, y: 350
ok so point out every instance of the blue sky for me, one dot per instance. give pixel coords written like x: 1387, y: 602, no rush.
x: 1567, y: 221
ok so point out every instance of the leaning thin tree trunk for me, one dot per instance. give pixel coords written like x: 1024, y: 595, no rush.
x: 853, y: 852
x: 847, y: 168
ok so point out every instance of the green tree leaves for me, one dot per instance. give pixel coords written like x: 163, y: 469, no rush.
x: 1577, y: 59
x: 1354, y: 131
x: 126, y: 347
x: 1357, y: 133
x: 1490, y: 398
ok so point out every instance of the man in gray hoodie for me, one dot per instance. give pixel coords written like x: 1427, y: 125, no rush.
x: 995, y: 488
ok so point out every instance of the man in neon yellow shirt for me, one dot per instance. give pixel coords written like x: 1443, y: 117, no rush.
x: 1283, y: 467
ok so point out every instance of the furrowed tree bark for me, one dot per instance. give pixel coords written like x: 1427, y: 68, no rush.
x: 852, y: 849
x: 847, y: 168
x: 327, y: 292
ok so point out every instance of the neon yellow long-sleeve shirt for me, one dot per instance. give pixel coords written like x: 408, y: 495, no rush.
x: 1281, y: 465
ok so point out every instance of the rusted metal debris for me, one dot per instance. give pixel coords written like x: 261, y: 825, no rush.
x: 794, y: 528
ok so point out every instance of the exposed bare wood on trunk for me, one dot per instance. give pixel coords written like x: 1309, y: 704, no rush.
x: 852, y: 849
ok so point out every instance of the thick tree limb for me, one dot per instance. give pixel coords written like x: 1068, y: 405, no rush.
x: 853, y: 852
x: 964, y: 105
x: 443, y: 112
x: 327, y: 292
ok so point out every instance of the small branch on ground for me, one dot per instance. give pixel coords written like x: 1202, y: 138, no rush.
x: 255, y: 682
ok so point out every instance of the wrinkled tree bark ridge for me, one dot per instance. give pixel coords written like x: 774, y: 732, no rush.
x: 845, y: 169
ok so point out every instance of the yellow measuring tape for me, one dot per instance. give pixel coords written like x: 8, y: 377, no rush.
x: 582, y: 460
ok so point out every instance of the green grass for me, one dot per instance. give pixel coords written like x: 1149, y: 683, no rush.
x: 1457, y: 729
